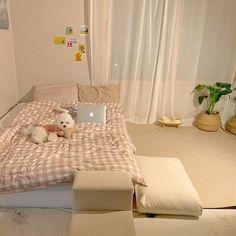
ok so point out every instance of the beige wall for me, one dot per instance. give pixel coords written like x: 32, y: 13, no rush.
x: 8, y: 81
x: 38, y: 60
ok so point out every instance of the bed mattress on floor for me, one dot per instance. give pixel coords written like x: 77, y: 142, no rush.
x: 26, y: 166
x: 53, y: 197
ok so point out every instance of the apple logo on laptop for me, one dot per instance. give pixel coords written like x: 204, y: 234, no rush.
x: 91, y: 114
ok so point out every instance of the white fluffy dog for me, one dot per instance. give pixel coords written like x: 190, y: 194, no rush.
x: 48, y: 133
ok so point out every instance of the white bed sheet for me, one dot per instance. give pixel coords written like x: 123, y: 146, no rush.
x: 53, y: 197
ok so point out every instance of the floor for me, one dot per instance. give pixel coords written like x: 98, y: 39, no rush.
x: 49, y: 222
x: 208, y: 157
x: 211, y: 223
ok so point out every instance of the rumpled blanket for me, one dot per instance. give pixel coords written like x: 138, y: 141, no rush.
x: 26, y: 166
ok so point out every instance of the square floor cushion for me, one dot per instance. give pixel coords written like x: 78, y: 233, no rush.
x: 169, y: 189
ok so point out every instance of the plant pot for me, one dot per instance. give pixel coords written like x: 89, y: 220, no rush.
x: 208, y: 122
x: 231, y: 125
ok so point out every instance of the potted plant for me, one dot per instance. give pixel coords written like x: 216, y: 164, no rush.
x: 231, y: 124
x: 209, y: 120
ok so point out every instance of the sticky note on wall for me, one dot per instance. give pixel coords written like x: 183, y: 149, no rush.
x: 59, y: 40
x: 78, y: 57
x: 83, y: 30
x: 69, y: 44
x: 69, y: 30
x: 82, y: 48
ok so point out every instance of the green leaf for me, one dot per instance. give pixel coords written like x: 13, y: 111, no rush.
x: 214, y: 93
x: 217, y: 98
x: 226, y: 91
x: 213, y: 89
x: 201, y: 99
x: 200, y: 87
x: 223, y: 85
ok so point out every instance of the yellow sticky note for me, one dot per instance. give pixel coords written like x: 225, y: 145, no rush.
x: 59, y: 40
x: 78, y: 57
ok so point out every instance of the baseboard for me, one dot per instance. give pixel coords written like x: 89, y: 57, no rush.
x: 185, y: 122
x: 188, y: 122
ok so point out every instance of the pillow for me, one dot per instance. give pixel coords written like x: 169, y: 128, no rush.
x: 56, y: 92
x: 169, y: 189
x: 99, y: 94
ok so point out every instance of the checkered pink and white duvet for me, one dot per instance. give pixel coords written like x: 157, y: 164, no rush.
x: 26, y: 166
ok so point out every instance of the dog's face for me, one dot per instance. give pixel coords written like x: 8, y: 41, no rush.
x: 64, y: 121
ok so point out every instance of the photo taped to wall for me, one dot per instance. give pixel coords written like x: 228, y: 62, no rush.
x: 4, y: 22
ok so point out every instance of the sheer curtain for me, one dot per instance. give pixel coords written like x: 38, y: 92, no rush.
x: 98, y: 18
x: 157, y: 50
x: 144, y: 54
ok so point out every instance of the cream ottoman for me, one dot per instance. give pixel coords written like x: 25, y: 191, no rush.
x: 169, y: 189
x: 102, y: 190
x: 102, y: 204
x: 111, y: 223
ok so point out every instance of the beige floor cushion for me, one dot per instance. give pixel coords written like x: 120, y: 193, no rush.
x: 110, y: 223
x: 102, y: 190
x: 169, y: 189
x: 56, y: 92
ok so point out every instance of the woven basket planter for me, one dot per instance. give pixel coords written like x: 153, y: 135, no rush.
x: 231, y: 125
x: 208, y: 122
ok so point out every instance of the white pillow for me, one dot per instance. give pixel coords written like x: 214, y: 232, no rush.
x: 169, y: 189
x: 56, y: 92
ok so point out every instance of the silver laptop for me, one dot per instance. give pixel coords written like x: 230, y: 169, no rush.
x: 91, y: 113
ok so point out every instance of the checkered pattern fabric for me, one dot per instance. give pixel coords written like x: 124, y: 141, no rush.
x: 26, y: 166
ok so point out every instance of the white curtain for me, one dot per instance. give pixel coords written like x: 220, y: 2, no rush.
x: 98, y: 18
x: 144, y: 56
x: 159, y: 49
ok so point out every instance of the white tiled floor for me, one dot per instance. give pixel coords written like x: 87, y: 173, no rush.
x: 34, y: 222
x: 212, y: 222
x: 51, y: 222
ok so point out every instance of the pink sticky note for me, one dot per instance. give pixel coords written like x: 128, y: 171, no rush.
x: 69, y: 44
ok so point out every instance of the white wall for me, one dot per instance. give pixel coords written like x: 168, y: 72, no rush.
x: 8, y: 81
x: 38, y: 60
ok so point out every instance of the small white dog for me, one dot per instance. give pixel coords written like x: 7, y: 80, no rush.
x: 48, y: 133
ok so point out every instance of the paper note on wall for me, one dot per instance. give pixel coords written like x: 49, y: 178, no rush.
x: 69, y: 44
x: 78, y: 57
x: 59, y: 40
x: 82, y: 48
x: 69, y: 30
x: 4, y: 22
x: 84, y: 30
